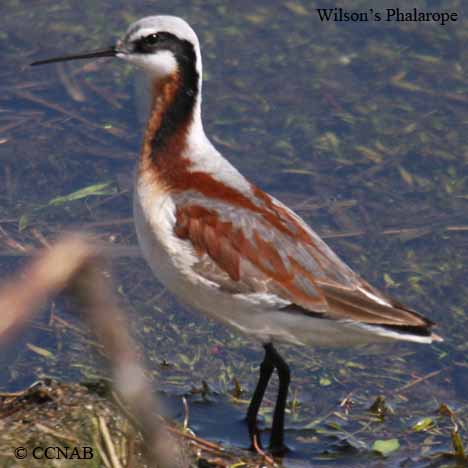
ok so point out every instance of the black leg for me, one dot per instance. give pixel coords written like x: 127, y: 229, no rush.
x: 277, y: 446
x: 271, y: 361
x: 266, y: 369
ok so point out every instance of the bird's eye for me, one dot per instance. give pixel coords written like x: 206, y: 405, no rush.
x: 152, y: 39
x: 147, y: 44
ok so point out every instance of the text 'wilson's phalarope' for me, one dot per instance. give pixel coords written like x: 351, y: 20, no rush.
x: 227, y: 248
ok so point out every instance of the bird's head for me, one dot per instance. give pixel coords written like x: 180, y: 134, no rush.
x: 160, y: 45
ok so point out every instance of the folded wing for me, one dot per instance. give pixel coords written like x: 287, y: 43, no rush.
x: 268, y: 249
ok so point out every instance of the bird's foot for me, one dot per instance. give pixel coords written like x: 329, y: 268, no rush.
x: 275, y: 448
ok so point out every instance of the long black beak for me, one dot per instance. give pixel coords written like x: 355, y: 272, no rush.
x: 109, y: 52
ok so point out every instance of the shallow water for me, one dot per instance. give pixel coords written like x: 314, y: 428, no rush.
x: 359, y: 127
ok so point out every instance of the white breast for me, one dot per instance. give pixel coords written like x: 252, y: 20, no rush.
x: 154, y: 213
x: 171, y: 260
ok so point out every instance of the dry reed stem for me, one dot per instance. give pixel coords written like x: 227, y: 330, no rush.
x: 74, y: 264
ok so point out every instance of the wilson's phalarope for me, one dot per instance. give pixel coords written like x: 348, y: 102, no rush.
x: 227, y: 248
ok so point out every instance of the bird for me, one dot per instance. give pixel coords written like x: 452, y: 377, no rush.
x: 225, y: 247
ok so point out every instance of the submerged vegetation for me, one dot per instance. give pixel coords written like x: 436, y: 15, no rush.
x: 360, y: 128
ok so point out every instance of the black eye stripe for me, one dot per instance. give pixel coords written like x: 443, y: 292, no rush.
x: 162, y: 40
x: 146, y: 44
x: 151, y: 39
x: 150, y: 42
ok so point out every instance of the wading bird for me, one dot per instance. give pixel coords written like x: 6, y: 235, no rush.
x: 227, y: 248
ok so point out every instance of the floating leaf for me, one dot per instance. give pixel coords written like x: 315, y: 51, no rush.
x: 91, y: 190
x: 325, y: 381
x: 354, y: 365
x: 23, y: 222
x: 335, y: 426
x: 406, y: 85
x: 369, y: 153
x: 389, y: 280
x: 405, y: 175
x: 298, y: 171
x: 410, y: 128
x: 423, y: 425
x: 185, y: 359
x: 426, y: 58
x: 41, y: 351
x: 385, y: 447
x: 296, y: 8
